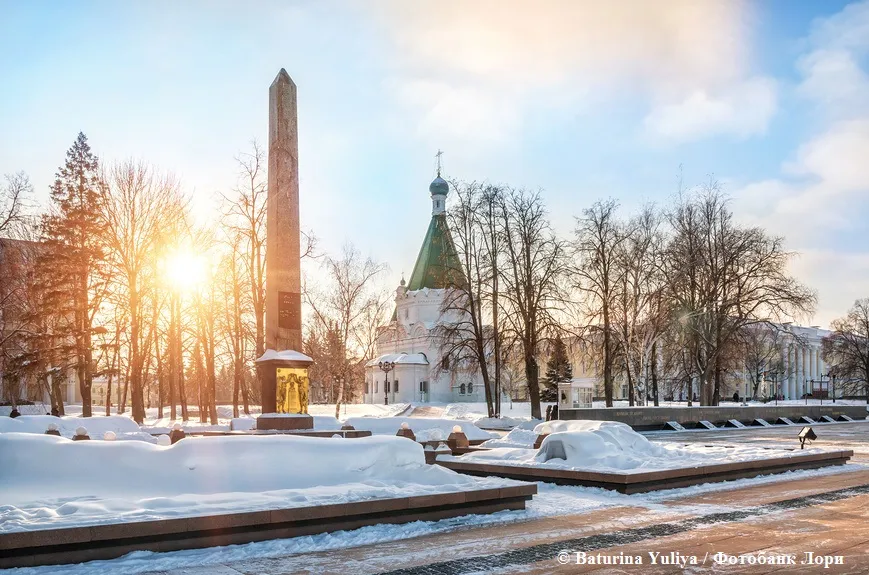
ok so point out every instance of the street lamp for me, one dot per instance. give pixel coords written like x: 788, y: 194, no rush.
x: 386, y: 366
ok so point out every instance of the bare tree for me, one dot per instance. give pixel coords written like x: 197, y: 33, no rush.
x: 533, y: 273
x: 846, y: 350
x: 464, y: 334
x: 137, y: 205
x: 598, y: 242
x: 723, y: 277
x: 342, y: 307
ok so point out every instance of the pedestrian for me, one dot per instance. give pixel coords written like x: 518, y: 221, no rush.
x: 555, y: 413
x: 548, y: 413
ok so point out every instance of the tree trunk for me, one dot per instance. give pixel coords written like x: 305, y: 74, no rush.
x: 531, y: 376
x: 655, y: 372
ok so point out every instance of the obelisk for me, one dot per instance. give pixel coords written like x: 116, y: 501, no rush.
x: 283, y: 274
x: 283, y: 369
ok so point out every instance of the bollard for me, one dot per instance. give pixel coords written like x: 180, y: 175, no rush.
x: 81, y: 434
x: 52, y: 430
x: 177, y: 434
x: 406, y: 431
x: 457, y: 439
x: 164, y: 441
x: 109, y: 436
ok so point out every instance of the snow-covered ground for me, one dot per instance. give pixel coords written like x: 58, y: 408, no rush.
x: 610, y: 447
x: 551, y: 500
x: 425, y: 429
x: 53, y: 482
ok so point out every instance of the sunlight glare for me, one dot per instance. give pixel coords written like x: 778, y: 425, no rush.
x: 184, y: 270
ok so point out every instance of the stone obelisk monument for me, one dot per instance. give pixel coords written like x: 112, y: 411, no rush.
x: 282, y: 370
x: 283, y: 275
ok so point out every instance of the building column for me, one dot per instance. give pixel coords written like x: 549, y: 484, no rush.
x: 792, y: 376
x: 786, y: 365
x: 798, y: 371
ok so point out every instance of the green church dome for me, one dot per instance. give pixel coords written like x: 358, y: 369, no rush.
x: 439, y: 187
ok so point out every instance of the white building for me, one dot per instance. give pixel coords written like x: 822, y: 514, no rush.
x: 409, y: 341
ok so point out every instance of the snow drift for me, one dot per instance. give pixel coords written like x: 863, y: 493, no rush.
x: 608, y: 446
x: 424, y: 428
x: 96, y: 426
x: 51, y: 481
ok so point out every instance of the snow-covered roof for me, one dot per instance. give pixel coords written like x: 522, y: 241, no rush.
x: 285, y: 355
x: 400, y: 359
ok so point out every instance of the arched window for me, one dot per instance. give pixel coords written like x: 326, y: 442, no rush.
x: 462, y: 389
x: 470, y: 388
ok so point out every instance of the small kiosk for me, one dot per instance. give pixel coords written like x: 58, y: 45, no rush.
x: 575, y: 394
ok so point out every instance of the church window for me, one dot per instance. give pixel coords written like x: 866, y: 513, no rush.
x: 470, y: 388
x: 423, y: 386
x: 462, y: 389
x: 366, y: 387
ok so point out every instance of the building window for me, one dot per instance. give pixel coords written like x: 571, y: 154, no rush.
x: 366, y: 387
x: 470, y: 388
x: 386, y: 386
x: 462, y: 389
x: 375, y: 386
x: 406, y: 313
x: 423, y: 387
x: 445, y: 363
x: 395, y: 386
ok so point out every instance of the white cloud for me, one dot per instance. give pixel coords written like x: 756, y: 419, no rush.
x: 493, y: 60
x: 822, y: 191
x: 743, y: 109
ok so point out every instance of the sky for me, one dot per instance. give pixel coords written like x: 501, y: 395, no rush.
x: 583, y: 100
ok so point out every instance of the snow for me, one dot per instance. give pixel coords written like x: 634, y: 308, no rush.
x: 607, y: 446
x: 111, y: 481
x: 516, y: 438
x: 425, y: 429
x: 95, y: 426
x: 551, y: 501
x: 556, y: 426
x: 285, y: 355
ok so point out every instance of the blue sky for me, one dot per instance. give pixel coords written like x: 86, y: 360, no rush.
x: 582, y: 99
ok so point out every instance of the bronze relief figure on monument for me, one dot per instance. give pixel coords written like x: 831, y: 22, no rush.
x: 283, y: 369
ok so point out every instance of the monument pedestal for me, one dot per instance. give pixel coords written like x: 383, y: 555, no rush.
x: 283, y: 378
x: 284, y: 421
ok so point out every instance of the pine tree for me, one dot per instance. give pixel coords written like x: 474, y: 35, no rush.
x: 70, y: 264
x: 558, y: 370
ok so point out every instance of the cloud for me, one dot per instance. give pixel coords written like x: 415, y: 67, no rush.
x: 493, y: 61
x: 743, y: 109
x: 818, y: 199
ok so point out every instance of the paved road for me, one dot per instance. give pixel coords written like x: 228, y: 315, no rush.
x: 827, y: 515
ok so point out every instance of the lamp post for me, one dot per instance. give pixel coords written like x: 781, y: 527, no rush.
x: 386, y: 366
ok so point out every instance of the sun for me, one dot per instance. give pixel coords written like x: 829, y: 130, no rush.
x: 184, y: 270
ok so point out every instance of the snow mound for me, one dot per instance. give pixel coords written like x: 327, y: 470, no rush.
x: 96, y: 426
x: 516, y: 438
x: 111, y: 481
x: 609, y: 446
x: 425, y: 429
x: 557, y: 426
x: 503, y: 422
x: 202, y: 465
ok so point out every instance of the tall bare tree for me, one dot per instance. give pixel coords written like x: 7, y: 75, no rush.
x: 342, y: 307
x: 137, y: 205
x: 464, y: 333
x: 534, y: 268
x: 599, y: 237
x: 846, y: 350
x: 723, y: 277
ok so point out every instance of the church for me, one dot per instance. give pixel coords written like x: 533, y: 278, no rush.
x: 409, y: 343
